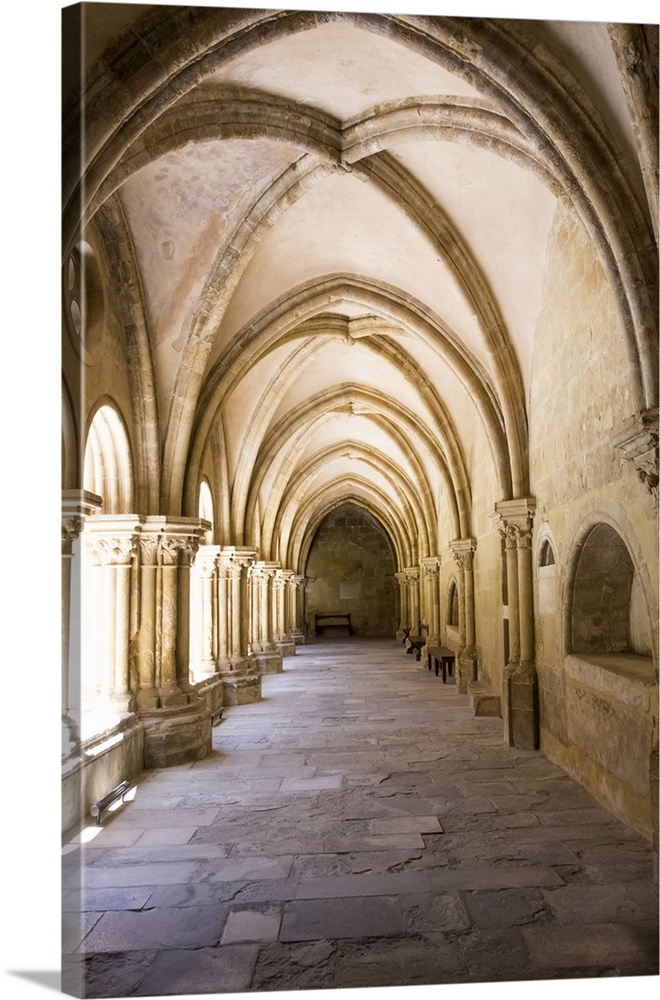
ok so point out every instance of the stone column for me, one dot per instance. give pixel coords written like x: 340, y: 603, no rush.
x: 412, y: 574
x: 295, y: 596
x: 466, y: 667
x: 278, y: 587
x: 223, y: 609
x: 177, y: 723
x: 147, y: 694
x: 285, y: 645
x: 237, y: 666
x: 202, y: 618
x: 431, y: 574
x: 404, y: 606
x: 520, y: 685
x: 77, y: 505
x: 267, y: 656
x: 111, y: 541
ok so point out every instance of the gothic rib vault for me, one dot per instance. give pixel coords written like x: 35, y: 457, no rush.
x: 407, y: 263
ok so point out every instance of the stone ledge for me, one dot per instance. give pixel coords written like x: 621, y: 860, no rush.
x: 627, y: 677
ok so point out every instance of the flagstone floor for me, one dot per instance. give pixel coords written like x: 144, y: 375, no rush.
x: 357, y: 827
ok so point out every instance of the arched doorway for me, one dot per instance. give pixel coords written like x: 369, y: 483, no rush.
x: 350, y: 569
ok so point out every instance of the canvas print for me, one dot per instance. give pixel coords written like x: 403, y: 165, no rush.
x: 359, y: 500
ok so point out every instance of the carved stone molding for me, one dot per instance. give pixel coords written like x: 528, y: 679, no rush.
x: 637, y: 439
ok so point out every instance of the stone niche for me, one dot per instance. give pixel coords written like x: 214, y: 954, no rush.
x: 351, y: 569
x: 601, y: 713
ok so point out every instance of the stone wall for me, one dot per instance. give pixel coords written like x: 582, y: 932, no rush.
x: 352, y: 566
x: 581, y: 393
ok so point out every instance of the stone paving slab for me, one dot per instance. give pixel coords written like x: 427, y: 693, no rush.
x: 599, y: 945
x: 105, y: 975
x: 160, y: 928
x: 598, y: 903
x: 363, y: 885
x: 226, y: 969
x: 75, y: 901
x: 99, y: 877
x: 406, y: 824
x: 355, y: 917
x: 253, y: 868
x: 490, y: 877
x: 252, y: 925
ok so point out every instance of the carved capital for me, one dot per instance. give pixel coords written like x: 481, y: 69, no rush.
x: 515, y: 520
x: 108, y: 551
x: 431, y: 567
x: 72, y: 525
x: 148, y: 547
x: 637, y: 440
x: 169, y: 549
x: 205, y: 561
x: 463, y: 550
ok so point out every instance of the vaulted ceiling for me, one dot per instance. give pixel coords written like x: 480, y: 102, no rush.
x: 331, y: 234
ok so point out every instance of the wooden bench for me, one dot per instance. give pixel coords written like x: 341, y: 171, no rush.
x: 332, y: 621
x: 442, y: 658
x: 417, y: 642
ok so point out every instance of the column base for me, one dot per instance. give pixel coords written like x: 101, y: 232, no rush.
x: 298, y: 637
x: 210, y: 693
x: 176, y: 735
x: 520, y: 706
x: 285, y: 647
x: 147, y: 700
x: 172, y: 697
x: 466, y: 668
x: 241, y: 682
x: 269, y: 663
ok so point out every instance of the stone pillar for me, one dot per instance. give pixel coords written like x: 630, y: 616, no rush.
x: 296, y: 591
x: 223, y: 610
x: 520, y: 685
x: 283, y: 644
x: 111, y: 541
x: 77, y: 505
x: 237, y: 666
x: 466, y: 666
x: 412, y: 574
x: 404, y: 606
x: 202, y: 618
x: 177, y: 723
x: 269, y: 660
x: 147, y: 694
x: 431, y: 575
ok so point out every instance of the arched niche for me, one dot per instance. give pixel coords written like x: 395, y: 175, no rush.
x: 107, y: 465
x: 453, y: 605
x: 608, y: 612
